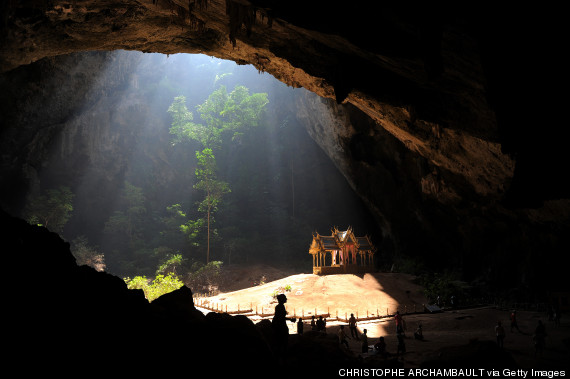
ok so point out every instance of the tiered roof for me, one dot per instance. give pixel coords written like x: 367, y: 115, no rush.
x: 338, y: 239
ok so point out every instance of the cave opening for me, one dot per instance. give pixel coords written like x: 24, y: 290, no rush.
x: 108, y: 152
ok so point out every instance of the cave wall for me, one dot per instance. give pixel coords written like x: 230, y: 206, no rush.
x: 461, y: 147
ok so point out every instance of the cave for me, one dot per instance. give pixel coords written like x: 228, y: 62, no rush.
x: 443, y: 120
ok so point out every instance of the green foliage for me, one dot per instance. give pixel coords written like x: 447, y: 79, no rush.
x: 86, y: 254
x: 128, y: 221
x: 162, y: 284
x: 170, y: 264
x: 208, y: 183
x: 203, y: 277
x: 51, y: 210
x: 442, y: 285
x: 280, y: 290
x: 223, y: 115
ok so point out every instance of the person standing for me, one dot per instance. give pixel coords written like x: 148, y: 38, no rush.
x: 364, y: 341
x: 279, y: 324
x: 300, y: 326
x: 342, y: 337
x: 514, y: 324
x: 539, y: 338
x: 352, y: 326
x: 500, y: 332
x: 399, y: 323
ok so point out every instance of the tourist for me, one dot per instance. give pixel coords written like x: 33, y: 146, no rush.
x: 556, y: 316
x: 514, y: 324
x: 399, y: 323
x: 419, y: 334
x: 380, y: 347
x: 352, y: 326
x: 300, y: 326
x: 279, y: 324
x: 342, y: 337
x: 364, y: 341
x: 313, y: 323
x: 321, y: 325
x: 500, y: 332
x: 539, y: 337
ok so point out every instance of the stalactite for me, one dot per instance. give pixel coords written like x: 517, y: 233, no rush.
x: 243, y: 14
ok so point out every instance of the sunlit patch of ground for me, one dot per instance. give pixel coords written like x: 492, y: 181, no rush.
x: 368, y: 295
x: 347, y: 294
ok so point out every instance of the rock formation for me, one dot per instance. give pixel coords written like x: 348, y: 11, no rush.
x: 441, y: 117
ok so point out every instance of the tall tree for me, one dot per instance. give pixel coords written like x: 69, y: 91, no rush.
x: 213, y: 189
x: 224, y: 115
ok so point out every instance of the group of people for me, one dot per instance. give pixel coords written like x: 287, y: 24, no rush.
x: 281, y: 331
x: 379, y: 347
x: 342, y: 336
x: 538, y: 336
x: 319, y: 325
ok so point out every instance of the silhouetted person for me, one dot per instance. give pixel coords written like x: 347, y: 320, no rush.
x: 419, y: 334
x: 342, y: 337
x: 514, y: 324
x: 313, y: 323
x: 380, y: 347
x: 279, y: 324
x: 300, y: 326
x: 550, y: 312
x: 352, y: 326
x: 556, y: 316
x: 399, y: 323
x: 500, y: 332
x: 539, y: 336
x: 321, y: 326
x: 364, y: 341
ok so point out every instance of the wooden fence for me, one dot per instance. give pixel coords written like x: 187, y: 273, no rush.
x: 250, y: 311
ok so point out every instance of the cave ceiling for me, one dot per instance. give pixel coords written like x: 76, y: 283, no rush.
x: 422, y: 72
x: 468, y: 89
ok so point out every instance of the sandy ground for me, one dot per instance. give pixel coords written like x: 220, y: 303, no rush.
x: 337, y: 295
x: 384, y: 293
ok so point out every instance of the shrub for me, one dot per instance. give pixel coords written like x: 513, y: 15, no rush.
x: 161, y: 285
x: 205, y: 277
